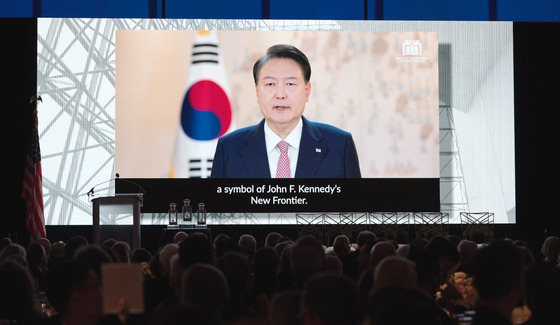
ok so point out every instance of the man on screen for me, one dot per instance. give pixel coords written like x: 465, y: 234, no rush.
x: 285, y: 144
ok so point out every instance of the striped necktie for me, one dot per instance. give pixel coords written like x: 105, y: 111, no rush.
x: 283, y: 169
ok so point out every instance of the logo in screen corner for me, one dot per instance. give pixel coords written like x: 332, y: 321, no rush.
x: 412, y: 51
x: 412, y: 47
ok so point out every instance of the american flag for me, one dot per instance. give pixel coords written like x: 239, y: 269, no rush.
x: 32, y: 188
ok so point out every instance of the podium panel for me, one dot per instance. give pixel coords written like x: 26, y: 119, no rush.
x: 115, y: 205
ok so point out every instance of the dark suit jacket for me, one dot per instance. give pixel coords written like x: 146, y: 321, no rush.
x: 325, y: 152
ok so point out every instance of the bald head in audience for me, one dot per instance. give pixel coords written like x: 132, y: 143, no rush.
x: 179, y: 237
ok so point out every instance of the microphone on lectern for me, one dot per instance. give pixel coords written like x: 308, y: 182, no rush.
x: 140, y: 188
x: 117, y: 176
x: 91, y: 191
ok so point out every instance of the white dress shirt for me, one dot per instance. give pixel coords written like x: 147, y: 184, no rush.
x: 271, y: 139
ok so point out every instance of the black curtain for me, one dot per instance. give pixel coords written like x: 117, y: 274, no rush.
x: 19, y: 84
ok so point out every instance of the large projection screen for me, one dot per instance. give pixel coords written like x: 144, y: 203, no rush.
x: 79, y: 124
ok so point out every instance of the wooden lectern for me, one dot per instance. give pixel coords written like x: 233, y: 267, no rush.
x: 118, y: 203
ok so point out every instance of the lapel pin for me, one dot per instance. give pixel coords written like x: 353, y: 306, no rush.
x: 317, y: 149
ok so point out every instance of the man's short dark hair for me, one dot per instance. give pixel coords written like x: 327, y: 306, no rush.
x: 284, y: 51
x: 196, y: 248
x: 496, y: 269
x: 307, y: 257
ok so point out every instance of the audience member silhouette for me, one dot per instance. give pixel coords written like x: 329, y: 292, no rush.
x: 403, y: 250
x: 37, y: 263
x: 334, y: 264
x: 18, y: 299
x: 379, y: 251
x: 306, y: 259
x: 236, y: 271
x: 247, y: 247
x: 46, y: 243
x: 5, y: 241
x: 57, y: 253
x: 341, y: 245
x: 140, y: 255
x: 284, y: 308
x: 330, y: 299
x: 272, y: 239
x: 362, y: 254
x: 365, y: 236
x: 352, y: 263
x: 264, y: 283
x: 72, y: 245
x: 454, y: 239
x: 467, y: 249
x: 527, y: 257
x: 416, y: 246
x: 430, y: 279
x: 279, y: 247
x: 400, y: 304
x: 94, y: 256
x: 447, y: 251
x: 158, y: 288
x: 179, y: 237
x: 542, y: 285
x: 121, y: 252
x: 157, y: 314
x: 222, y: 244
x: 394, y: 270
x: 498, y: 277
x: 164, y: 256
x: 285, y: 275
x: 551, y: 249
x: 108, y: 243
x: 195, y: 249
x: 74, y: 290
x: 14, y: 251
x: 204, y: 286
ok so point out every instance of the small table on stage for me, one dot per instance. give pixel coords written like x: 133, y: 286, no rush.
x: 167, y: 234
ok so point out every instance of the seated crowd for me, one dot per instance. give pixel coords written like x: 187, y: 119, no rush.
x: 198, y: 280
